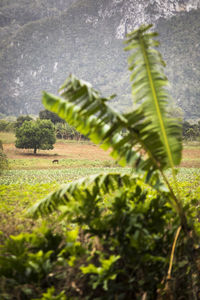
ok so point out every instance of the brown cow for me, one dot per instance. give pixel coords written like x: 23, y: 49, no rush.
x: 55, y: 161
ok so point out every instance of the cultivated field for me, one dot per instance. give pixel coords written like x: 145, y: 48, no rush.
x: 31, y: 177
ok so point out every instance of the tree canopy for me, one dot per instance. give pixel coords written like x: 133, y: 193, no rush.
x: 36, y: 135
x: 48, y: 115
x: 21, y: 119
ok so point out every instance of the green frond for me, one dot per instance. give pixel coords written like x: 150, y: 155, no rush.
x: 82, y: 107
x: 85, y: 190
x: 149, y: 90
x: 148, y: 127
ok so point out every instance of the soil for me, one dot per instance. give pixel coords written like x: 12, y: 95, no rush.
x: 190, y: 157
x: 60, y: 151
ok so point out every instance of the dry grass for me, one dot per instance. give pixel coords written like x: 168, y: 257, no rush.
x: 83, y: 150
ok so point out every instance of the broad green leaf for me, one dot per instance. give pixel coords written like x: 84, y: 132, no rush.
x: 149, y: 90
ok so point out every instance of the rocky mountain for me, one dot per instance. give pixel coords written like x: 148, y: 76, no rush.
x: 42, y: 41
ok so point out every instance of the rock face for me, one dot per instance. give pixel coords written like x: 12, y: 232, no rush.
x: 42, y: 41
x: 133, y: 13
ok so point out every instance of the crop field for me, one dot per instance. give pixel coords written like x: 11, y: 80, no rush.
x: 31, y: 177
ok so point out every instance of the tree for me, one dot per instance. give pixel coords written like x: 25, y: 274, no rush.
x: 130, y: 224
x: 36, y: 135
x: 190, y: 134
x: 191, y: 131
x: 63, y: 131
x: 48, y: 115
x: 21, y: 119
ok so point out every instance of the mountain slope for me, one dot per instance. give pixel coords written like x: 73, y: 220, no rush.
x: 180, y: 46
x: 81, y: 38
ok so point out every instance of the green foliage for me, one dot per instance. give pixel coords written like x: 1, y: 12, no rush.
x: 104, y: 273
x: 65, y: 131
x: 48, y: 115
x: 154, y: 134
x: 132, y: 216
x: 148, y: 125
x: 3, y: 159
x: 29, y: 261
x: 49, y: 295
x: 149, y: 90
x: 54, y: 175
x: 119, y: 227
x: 7, y: 126
x: 35, y: 135
x: 191, y: 131
x: 15, y: 198
x: 129, y: 228
x: 21, y: 119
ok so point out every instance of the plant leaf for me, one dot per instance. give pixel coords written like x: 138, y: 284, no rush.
x: 82, y: 190
x: 149, y: 90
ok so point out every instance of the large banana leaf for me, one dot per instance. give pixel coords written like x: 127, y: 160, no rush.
x: 148, y: 127
x: 90, y: 115
x: 149, y: 90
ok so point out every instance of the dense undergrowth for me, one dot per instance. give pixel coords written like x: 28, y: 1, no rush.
x: 105, y: 249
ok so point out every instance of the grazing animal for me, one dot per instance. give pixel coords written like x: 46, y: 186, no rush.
x: 55, y: 161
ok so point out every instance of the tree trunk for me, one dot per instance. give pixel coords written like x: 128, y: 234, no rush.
x: 35, y: 149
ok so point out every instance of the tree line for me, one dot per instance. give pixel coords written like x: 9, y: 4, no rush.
x: 190, y: 131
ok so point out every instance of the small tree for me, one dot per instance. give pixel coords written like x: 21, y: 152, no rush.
x: 35, y: 135
x: 63, y: 130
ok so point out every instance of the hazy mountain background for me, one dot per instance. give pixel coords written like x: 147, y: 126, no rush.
x: 43, y: 41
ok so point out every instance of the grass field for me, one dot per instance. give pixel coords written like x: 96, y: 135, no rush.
x: 31, y: 177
